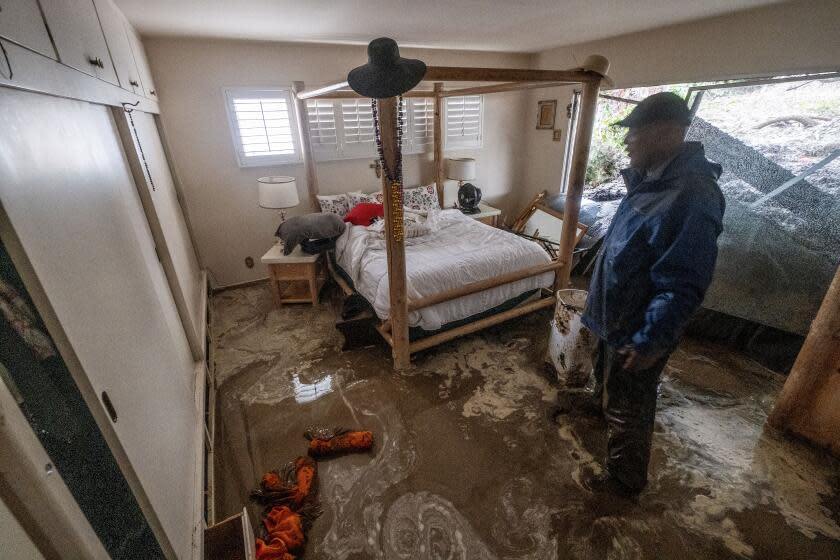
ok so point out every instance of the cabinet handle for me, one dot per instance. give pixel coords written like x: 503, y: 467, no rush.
x: 96, y: 61
x: 134, y: 83
x: 153, y: 92
x: 109, y: 406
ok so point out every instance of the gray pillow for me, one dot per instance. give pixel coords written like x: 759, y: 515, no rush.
x: 309, y: 226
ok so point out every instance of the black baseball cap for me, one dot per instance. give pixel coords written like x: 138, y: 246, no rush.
x: 664, y: 106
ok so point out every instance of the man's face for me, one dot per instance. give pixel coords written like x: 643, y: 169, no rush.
x: 641, y: 145
x: 649, y: 144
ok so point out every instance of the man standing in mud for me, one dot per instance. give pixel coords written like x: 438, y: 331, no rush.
x: 651, y: 275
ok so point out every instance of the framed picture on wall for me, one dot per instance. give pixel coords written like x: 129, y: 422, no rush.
x: 558, y: 135
x: 547, y: 111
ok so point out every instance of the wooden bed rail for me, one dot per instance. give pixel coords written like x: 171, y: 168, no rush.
x: 470, y: 328
x: 481, y: 285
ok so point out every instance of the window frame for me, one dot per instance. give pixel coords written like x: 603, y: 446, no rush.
x: 230, y: 94
x: 342, y: 152
x: 447, y: 142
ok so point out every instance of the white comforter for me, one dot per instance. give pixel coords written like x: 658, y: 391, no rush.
x: 462, y: 250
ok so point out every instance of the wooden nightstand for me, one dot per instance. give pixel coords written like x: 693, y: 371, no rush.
x: 488, y: 215
x: 294, y: 278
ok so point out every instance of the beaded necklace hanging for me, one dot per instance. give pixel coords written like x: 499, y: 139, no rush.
x: 392, y: 176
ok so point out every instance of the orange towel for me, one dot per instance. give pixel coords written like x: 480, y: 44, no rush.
x: 305, y: 471
x: 275, y: 550
x: 348, y: 442
x: 284, y: 524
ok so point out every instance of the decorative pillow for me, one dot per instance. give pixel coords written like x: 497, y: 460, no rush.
x: 421, y: 198
x: 334, y: 204
x: 357, y: 197
x: 308, y: 226
x: 363, y: 213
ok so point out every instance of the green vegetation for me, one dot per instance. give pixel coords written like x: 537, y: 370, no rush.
x: 606, y: 154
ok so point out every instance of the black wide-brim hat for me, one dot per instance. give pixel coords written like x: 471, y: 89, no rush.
x: 386, y: 74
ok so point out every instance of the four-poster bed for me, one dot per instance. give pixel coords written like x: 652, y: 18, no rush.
x: 395, y: 329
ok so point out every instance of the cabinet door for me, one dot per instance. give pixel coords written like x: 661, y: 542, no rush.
x: 141, y: 62
x: 113, y: 26
x: 78, y: 37
x: 163, y: 210
x: 21, y: 22
x: 69, y: 195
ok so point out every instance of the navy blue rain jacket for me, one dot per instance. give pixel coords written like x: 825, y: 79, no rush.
x: 658, y: 255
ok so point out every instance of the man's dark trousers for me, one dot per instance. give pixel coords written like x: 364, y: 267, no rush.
x: 628, y: 401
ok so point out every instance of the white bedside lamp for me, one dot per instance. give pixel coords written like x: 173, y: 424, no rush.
x: 461, y: 169
x: 278, y: 192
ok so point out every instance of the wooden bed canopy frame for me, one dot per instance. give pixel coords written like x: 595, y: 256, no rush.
x: 395, y: 329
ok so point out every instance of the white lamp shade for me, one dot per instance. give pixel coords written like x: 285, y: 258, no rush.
x: 278, y: 192
x: 461, y: 169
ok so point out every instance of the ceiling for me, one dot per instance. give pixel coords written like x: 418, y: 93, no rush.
x: 493, y: 25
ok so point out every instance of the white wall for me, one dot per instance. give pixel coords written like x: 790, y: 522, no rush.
x: 789, y: 38
x: 222, y: 197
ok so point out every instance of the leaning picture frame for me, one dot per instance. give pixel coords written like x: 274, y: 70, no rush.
x: 546, y: 114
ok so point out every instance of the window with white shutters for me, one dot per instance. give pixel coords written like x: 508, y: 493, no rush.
x: 263, y: 125
x: 463, y: 121
x: 419, y: 135
x: 357, y: 134
x: 343, y: 129
x: 323, y: 129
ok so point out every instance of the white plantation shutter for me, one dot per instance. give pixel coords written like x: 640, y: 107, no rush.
x: 357, y: 133
x: 263, y: 125
x: 463, y: 121
x: 419, y: 134
x: 323, y: 129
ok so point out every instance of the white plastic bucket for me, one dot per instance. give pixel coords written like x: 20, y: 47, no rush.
x: 570, y: 344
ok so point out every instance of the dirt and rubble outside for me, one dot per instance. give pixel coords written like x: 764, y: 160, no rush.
x: 777, y: 256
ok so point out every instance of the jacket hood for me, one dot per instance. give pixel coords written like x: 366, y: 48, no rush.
x: 692, y: 161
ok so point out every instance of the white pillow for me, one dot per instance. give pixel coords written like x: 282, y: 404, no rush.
x: 356, y: 197
x: 421, y: 198
x: 334, y: 204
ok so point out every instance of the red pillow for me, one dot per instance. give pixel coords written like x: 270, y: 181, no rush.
x: 363, y: 213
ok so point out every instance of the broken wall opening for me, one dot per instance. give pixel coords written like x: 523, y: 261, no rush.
x: 779, y: 143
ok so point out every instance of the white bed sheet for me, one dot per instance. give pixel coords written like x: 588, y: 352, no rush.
x: 460, y: 252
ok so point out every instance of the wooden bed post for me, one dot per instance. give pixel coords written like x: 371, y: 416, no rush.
x: 574, y: 191
x: 395, y: 250
x: 809, y: 403
x: 439, y: 142
x: 306, y: 148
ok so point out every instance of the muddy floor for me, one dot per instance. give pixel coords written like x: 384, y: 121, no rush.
x: 468, y: 463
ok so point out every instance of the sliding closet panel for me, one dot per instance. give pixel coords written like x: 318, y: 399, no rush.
x: 156, y: 187
x: 69, y: 195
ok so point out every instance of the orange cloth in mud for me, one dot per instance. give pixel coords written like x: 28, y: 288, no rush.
x: 271, y: 482
x: 345, y: 443
x: 284, y: 524
x: 304, y: 476
x: 275, y: 550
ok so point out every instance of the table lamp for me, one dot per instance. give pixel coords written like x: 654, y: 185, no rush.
x: 461, y: 169
x: 278, y: 192
x: 469, y: 196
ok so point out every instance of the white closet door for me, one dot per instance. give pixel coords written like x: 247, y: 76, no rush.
x: 113, y: 26
x: 78, y: 37
x: 166, y: 218
x: 21, y: 22
x: 69, y: 194
x: 141, y: 61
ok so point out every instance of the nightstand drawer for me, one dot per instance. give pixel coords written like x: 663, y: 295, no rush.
x: 293, y: 271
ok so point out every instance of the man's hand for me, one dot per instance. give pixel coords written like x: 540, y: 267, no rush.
x: 634, y: 361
